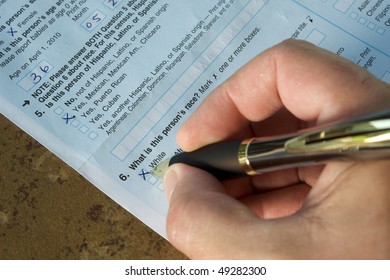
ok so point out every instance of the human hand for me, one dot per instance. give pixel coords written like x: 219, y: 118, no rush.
x: 339, y: 210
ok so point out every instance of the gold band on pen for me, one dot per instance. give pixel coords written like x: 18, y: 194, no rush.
x: 243, y: 157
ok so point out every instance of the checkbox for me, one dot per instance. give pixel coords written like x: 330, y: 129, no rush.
x: 84, y: 129
x: 343, y: 5
x: 59, y: 111
x: 315, y: 37
x: 386, y: 77
x: 371, y: 25
x: 380, y: 31
x: 362, y: 20
x: 152, y: 180
x: 93, y: 135
x: 161, y: 187
x: 120, y: 152
x: 76, y: 123
x: 353, y: 15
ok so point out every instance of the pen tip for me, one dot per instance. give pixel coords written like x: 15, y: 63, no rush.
x: 160, y: 170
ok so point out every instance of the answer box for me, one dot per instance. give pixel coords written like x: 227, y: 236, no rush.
x: 138, y: 132
x: 170, y: 97
x: 75, y: 123
x: 152, y: 180
x: 371, y: 25
x: 386, y: 77
x: 59, y: 111
x: 353, y: 15
x: 146, y: 124
x: 381, y: 30
x: 93, y: 135
x: 343, y: 5
x: 155, y: 115
x: 315, y: 37
x: 362, y: 20
x: 112, y: 4
x: 84, y: 129
x: 120, y: 152
x: 162, y: 106
x: 161, y: 187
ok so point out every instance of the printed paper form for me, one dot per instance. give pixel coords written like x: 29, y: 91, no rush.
x: 106, y: 84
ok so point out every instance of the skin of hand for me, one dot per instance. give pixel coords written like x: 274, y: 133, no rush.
x: 336, y: 211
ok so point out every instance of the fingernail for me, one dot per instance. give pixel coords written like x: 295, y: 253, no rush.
x: 170, y: 180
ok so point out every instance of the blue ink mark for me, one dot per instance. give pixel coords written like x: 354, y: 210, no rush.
x: 12, y: 32
x: 143, y: 174
x: 67, y: 118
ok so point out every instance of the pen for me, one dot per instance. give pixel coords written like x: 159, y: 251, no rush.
x: 361, y: 138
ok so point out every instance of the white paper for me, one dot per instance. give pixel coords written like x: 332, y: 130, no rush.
x: 106, y: 84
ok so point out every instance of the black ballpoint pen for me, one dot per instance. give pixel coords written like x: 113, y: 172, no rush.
x: 362, y: 138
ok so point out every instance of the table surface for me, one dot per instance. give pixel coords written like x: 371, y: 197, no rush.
x: 49, y: 211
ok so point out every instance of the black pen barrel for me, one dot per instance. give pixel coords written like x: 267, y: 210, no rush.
x: 219, y: 159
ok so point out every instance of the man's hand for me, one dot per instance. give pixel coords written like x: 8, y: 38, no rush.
x: 340, y: 210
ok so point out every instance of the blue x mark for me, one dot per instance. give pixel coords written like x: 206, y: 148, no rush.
x: 143, y: 174
x: 12, y: 32
x: 67, y: 118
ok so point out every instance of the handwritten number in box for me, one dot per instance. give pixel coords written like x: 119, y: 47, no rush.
x: 93, y: 20
x: 35, y: 76
x: 112, y: 4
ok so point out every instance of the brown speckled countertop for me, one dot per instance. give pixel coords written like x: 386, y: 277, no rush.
x: 49, y: 211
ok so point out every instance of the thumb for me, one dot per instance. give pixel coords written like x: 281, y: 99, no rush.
x: 202, y: 218
x: 205, y: 222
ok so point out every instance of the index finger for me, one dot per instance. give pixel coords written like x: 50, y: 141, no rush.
x: 313, y: 84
